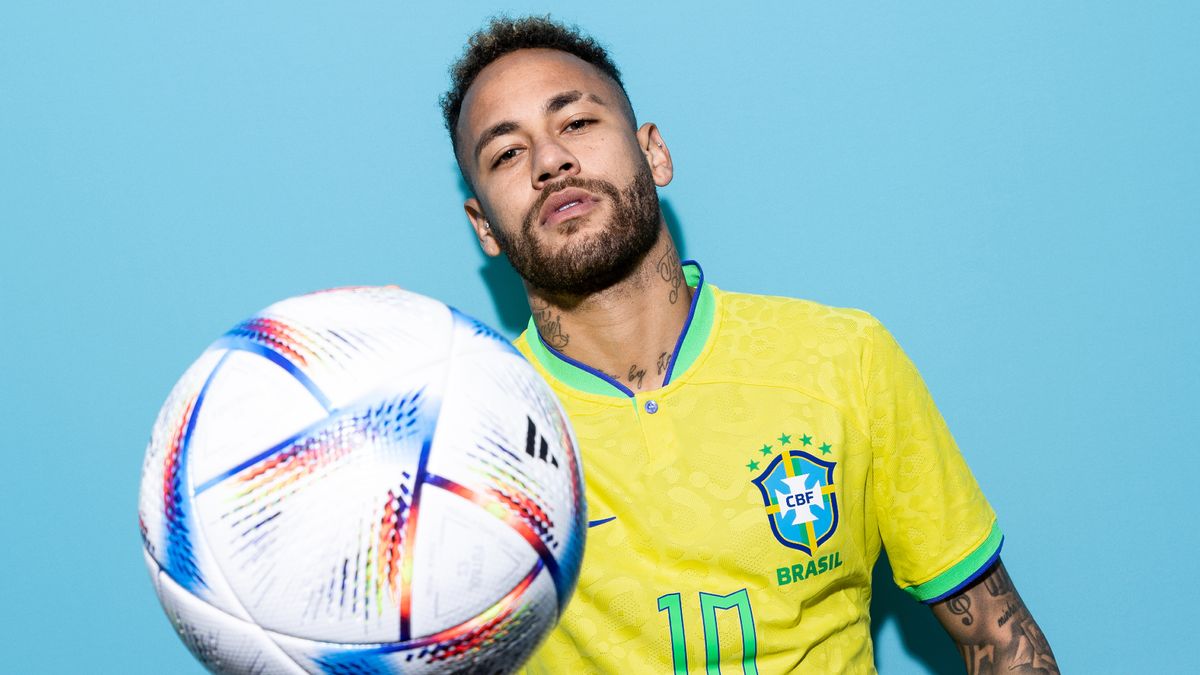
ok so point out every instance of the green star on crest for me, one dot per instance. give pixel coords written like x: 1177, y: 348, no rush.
x: 753, y: 465
x: 766, y: 450
x: 806, y: 439
x: 784, y: 439
x: 825, y: 448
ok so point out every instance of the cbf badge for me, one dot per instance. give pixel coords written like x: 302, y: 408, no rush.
x: 800, y: 498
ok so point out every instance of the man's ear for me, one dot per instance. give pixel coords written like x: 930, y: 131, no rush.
x: 483, y: 229
x: 658, y: 157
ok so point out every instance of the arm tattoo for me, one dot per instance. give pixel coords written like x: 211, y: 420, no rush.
x: 549, y: 325
x: 636, y: 374
x: 998, y: 583
x: 1009, y: 610
x: 979, y: 658
x: 664, y: 359
x: 671, y: 272
x: 1002, y: 635
x: 961, y: 605
x: 1032, y: 648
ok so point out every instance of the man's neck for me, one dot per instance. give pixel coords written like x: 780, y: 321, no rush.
x: 627, y: 331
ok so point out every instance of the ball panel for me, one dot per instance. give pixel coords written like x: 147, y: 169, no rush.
x: 255, y: 405
x: 313, y: 536
x: 502, y: 435
x: 161, y: 463
x: 495, y: 643
x: 222, y: 643
x: 349, y: 342
x: 465, y: 560
x: 472, y: 335
x: 171, y: 530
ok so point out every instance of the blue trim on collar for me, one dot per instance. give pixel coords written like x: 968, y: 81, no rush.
x: 693, y: 336
x: 585, y: 367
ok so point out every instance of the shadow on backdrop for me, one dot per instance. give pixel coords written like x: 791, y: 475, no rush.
x: 506, y: 288
x: 502, y: 281
x: 922, y: 637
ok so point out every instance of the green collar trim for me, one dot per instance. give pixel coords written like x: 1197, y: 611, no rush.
x: 578, y: 375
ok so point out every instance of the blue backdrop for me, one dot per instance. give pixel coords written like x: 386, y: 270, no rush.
x: 1011, y: 187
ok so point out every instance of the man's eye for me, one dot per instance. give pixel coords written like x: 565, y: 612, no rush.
x: 504, y: 157
x: 578, y: 124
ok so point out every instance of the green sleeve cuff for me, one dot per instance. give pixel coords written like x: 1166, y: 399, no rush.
x: 963, y: 573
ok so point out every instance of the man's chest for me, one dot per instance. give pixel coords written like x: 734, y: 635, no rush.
x: 768, y: 485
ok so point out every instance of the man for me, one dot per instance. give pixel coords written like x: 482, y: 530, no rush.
x: 746, y: 457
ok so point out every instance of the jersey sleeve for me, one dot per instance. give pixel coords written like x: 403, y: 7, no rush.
x: 939, y: 531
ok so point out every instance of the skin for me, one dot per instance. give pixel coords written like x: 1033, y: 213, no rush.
x: 629, y: 329
x: 622, y: 330
x: 993, y: 629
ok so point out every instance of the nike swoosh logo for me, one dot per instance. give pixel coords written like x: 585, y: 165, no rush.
x: 597, y: 523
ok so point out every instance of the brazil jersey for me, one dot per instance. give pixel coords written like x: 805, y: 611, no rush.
x: 736, y: 513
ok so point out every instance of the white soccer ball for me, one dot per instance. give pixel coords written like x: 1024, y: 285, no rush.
x: 359, y: 481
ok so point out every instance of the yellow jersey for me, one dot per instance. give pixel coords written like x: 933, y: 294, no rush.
x: 736, y: 512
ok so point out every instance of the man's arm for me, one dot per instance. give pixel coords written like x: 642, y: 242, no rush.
x: 993, y: 629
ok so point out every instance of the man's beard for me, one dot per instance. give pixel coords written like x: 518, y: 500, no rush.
x: 598, y: 261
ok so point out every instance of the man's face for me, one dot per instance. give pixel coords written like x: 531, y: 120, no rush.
x: 564, y: 185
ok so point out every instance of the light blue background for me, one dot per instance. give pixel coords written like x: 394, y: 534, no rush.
x: 1011, y: 187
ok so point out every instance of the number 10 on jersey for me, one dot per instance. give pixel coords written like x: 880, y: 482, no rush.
x: 709, y: 605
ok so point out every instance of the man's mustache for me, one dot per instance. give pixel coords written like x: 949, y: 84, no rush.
x: 593, y: 185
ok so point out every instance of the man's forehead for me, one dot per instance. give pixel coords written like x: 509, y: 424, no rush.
x: 519, y: 84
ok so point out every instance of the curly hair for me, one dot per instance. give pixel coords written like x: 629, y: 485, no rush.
x: 504, y: 35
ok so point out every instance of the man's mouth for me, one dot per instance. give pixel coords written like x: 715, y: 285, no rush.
x: 566, y: 204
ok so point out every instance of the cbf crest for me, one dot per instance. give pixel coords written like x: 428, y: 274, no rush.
x: 800, y: 498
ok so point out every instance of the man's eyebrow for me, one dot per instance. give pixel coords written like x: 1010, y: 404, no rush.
x: 496, y: 131
x: 560, y: 101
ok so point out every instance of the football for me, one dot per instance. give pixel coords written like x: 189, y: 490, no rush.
x: 362, y: 480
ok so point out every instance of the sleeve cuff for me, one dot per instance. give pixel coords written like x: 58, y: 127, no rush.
x: 961, y: 574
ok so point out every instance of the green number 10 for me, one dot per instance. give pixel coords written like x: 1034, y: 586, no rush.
x: 709, y: 604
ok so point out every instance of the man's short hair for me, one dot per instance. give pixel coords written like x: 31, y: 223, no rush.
x: 505, y: 35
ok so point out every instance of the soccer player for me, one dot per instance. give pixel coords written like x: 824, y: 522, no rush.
x: 746, y: 457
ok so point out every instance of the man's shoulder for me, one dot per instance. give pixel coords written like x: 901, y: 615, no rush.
x: 794, y: 343
x: 750, y: 310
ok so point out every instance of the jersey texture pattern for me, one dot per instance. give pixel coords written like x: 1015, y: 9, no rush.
x: 737, y: 511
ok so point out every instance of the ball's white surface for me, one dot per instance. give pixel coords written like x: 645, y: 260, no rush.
x: 362, y: 480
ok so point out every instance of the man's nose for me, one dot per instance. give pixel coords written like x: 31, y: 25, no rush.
x: 551, y: 162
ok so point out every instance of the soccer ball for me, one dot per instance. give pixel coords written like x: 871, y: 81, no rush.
x: 362, y: 480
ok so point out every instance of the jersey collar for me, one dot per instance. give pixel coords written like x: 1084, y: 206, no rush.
x: 692, y: 339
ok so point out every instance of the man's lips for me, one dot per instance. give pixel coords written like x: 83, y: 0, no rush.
x: 566, y: 204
